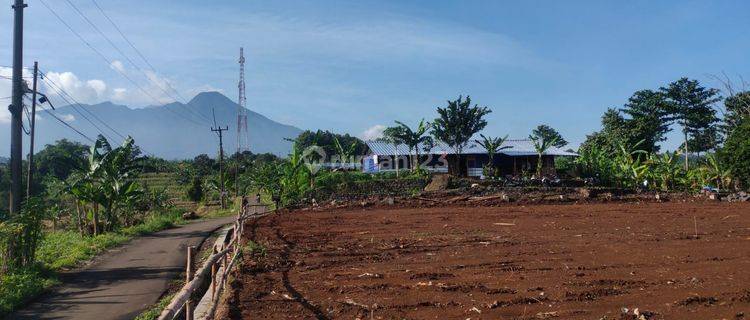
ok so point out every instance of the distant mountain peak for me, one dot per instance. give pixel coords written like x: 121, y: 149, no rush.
x: 213, y: 98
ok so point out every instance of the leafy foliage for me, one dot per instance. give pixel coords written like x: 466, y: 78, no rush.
x: 412, y: 138
x: 736, y: 153
x: 737, y: 108
x: 327, y: 141
x: 691, y: 106
x: 542, y: 141
x: 550, y: 134
x: 492, y: 146
x: 458, y: 123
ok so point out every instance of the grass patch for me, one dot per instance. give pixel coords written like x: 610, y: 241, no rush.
x: 255, y: 249
x: 67, y: 249
x: 154, y: 311
x: 19, y: 287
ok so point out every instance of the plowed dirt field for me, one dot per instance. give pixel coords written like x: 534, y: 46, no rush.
x: 593, y: 261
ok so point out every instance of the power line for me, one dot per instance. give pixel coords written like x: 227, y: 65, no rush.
x: 117, y: 48
x: 143, y: 57
x: 67, y: 124
x: 62, y: 96
x: 109, y: 62
x: 62, y: 93
x: 49, y: 81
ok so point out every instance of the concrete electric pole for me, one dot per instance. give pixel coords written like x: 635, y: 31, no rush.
x: 30, y: 170
x: 16, y: 110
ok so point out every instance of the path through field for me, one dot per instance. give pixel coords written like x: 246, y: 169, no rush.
x: 125, y: 281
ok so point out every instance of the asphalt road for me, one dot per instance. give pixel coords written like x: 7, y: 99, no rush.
x: 122, y: 283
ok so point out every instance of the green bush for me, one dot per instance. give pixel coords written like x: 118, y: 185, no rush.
x: 736, y: 153
x: 195, y: 192
x: 19, y: 286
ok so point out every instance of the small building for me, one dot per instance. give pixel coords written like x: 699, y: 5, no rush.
x: 519, y: 159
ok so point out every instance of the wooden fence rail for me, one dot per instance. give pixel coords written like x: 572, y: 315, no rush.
x: 216, y: 268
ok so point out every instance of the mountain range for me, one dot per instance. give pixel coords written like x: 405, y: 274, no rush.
x: 170, y: 131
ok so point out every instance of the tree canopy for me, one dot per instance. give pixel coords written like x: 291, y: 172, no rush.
x: 691, y: 106
x: 548, y: 133
x: 457, y: 123
x: 327, y: 141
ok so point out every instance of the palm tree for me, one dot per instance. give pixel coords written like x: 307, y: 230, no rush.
x: 394, y: 136
x: 541, y: 145
x: 492, y: 146
x: 414, y: 139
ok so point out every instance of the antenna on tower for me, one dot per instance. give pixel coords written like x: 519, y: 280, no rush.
x: 243, y: 139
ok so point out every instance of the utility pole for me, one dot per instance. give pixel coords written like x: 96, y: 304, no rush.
x: 30, y: 170
x: 219, y: 131
x: 16, y: 108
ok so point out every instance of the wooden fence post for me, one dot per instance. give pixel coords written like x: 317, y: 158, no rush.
x: 188, y: 277
x: 213, y: 278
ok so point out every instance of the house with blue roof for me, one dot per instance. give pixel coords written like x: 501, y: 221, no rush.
x: 519, y: 158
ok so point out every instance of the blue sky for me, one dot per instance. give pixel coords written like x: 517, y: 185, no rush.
x: 348, y: 66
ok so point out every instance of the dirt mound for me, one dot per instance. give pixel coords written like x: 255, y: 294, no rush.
x: 439, y: 182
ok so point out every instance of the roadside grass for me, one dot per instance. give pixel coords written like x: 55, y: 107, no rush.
x: 18, y: 287
x: 154, y: 311
x: 66, y: 249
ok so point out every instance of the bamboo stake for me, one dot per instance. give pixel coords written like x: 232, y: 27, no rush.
x: 188, y: 278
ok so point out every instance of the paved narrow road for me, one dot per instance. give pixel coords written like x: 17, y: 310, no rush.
x: 123, y: 282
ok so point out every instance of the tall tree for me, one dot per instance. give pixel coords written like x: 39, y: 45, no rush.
x: 61, y: 158
x: 614, y: 130
x: 326, y: 140
x: 649, y: 119
x: 549, y: 133
x: 737, y: 108
x: 457, y: 124
x: 735, y: 153
x: 691, y: 106
x: 492, y: 146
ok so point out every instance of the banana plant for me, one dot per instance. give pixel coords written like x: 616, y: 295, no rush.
x: 716, y: 172
x: 632, y: 168
x: 541, y: 145
x: 492, y: 146
x: 665, y: 170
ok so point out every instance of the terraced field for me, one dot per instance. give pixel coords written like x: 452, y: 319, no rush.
x: 168, y: 181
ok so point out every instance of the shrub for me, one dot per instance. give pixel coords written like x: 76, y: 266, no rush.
x: 17, y: 287
x: 736, y: 153
x: 19, y: 236
x: 195, y: 192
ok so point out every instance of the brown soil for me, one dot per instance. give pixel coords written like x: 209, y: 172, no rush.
x: 512, y: 262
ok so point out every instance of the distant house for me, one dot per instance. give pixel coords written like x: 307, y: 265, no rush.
x: 519, y: 159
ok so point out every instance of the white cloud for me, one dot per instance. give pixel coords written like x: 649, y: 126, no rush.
x: 67, y: 117
x: 90, y: 91
x: 98, y: 85
x: 373, y: 132
x: 118, y: 94
x: 117, y: 66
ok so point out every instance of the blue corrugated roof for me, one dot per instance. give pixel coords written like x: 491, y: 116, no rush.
x: 519, y: 147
